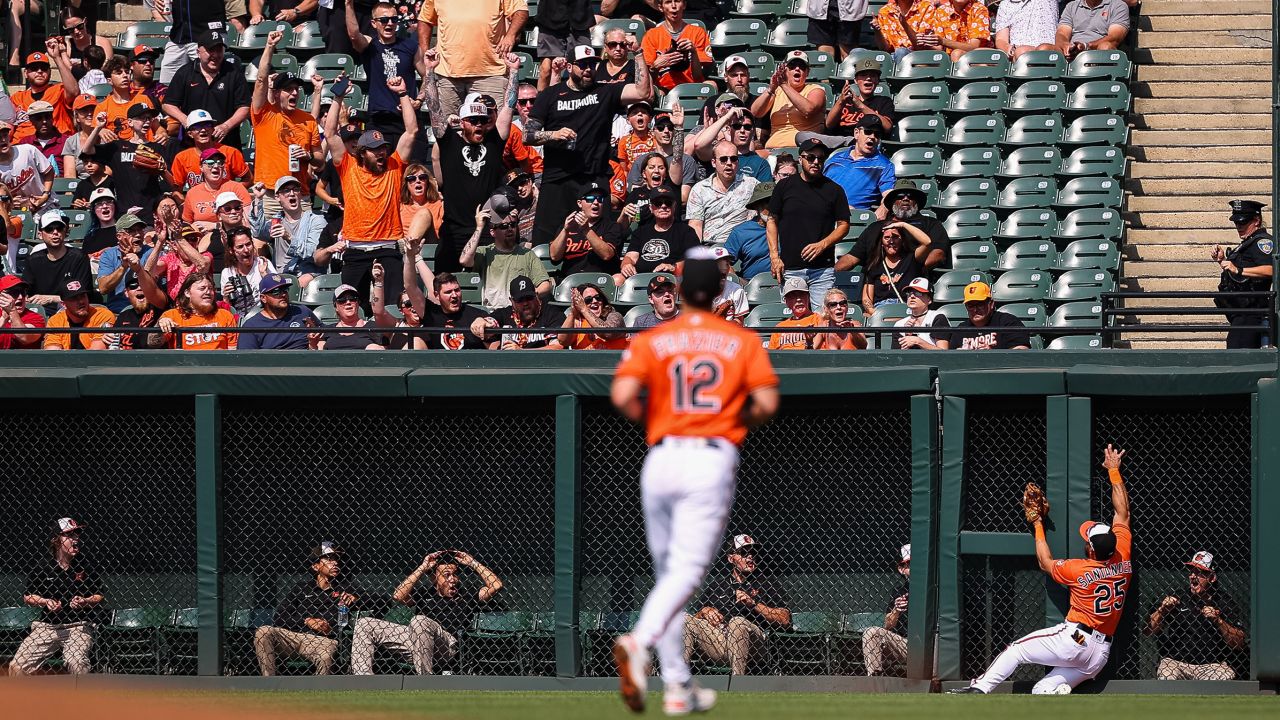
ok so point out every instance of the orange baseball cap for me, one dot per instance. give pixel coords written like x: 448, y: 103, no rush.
x: 37, y: 58
x: 977, y: 292
x: 85, y: 100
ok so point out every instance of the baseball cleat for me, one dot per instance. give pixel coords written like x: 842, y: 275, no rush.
x: 1063, y: 689
x: 632, y: 662
x: 687, y: 698
x: 968, y: 690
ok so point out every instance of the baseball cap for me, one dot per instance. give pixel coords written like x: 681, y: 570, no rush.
x: 9, y: 282
x: 6, y: 125
x: 285, y: 180
x: 742, y: 541
x: 325, y: 549
x: 37, y: 58
x: 659, y: 280
x: 475, y: 109
x: 211, y: 152
x: 344, y: 289
x: 905, y: 553
x: 870, y: 122
x: 72, y: 288
x: 140, y: 108
x: 141, y: 51
x: 128, y: 221
x: 867, y: 64
x: 283, y: 78
x: 39, y: 107
x: 195, y: 117
x: 591, y: 189
x: 101, y: 193
x: 224, y: 198
x: 640, y: 105
x: 52, y: 217
x: 522, y: 288
x: 348, y: 134
x: 797, y: 55
x: 273, y: 281
x: 372, y: 140
x: 1202, y: 560
x: 131, y: 281
x: 515, y: 175
x: 85, y: 100
x: 813, y: 144
x: 920, y: 284
x: 584, y: 52
x: 977, y: 292
x: 1093, y: 528
x: 720, y: 252
x: 665, y: 191
x: 67, y: 525
x: 212, y: 38
x: 662, y: 119
x: 763, y: 192
x: 730, y: 62
x: 794, y: 284
x: 729, y: 98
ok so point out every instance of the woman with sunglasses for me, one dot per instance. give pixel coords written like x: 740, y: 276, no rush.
x: 198, y: 309
x: 792, y: 103
x: 835, y: 313
x: 73, y: 160
x: 346, y: 301
x: 419, y: 193
x: 79, y: 35
x: 892, y: 265
x: 410, y: 314
x: 591, y: 308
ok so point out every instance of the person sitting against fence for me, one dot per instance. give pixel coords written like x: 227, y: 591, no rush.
x: 736, y: 610
x: 731, y: 304
x: 346, y: 302
x: 15, y: 314
x: 77, y: 312
x: 505, y: 259
x: 884, y: 646
x: 450, y: 310
x: 919, y: 296
x: 308, y: 622
x: 278, y: 312
x: 442, y: 612
x: 590, y: 307
x: 835, y: 313
x: 891, y: 267
x: 663, y: 300
x: 983, y: 314
x: 1092, y: 25
x: 903, y: 205
x: 69, y: 594
x: 1197, y: 630
x: 527, y: 310
x: 194, y: 323
x: 795, y: 293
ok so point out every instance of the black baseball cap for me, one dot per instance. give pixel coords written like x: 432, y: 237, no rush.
x: 141, y: 108
x: 591, y: 189
x: 522, y: 288
x: 870, y: 122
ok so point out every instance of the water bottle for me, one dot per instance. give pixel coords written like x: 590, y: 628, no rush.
x: 343, y: 616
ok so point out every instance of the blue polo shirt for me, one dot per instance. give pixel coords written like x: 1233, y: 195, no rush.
x: 864, y: 180
x: 109, y: 262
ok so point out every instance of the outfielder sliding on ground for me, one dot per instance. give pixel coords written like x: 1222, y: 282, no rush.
x: 1077, y: 649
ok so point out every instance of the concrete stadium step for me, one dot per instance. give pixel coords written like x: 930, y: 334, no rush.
x: 110, y: 28
x: 1226, y: 120
x: 1143, y: 343
x: 1218, y: 106
x: 1189, y: 268
x: 1167, y: 236
x: 1241, y: 170
x: 1152, y: 8
x: 1206, y: 73
x: 1208, y: 56
x: 1205, y: 91
x: 1188, y: 219
x: 1179, y: 138
x: 132, y: 13
x: 1207, y: 21
x: 1239, y: 153
x: 1196, y: 186
x: 1175, y: 203
x: 1146, y: 302
x: 1138, y: 255
x: 1196, y: 283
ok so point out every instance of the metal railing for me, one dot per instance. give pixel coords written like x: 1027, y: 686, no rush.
x: 1110, y: 312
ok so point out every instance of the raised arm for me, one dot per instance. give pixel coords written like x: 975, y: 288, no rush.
x: 260, y: 84
x: 421, y: 224
x: 491, y: 582
x: 430, y: 93
x: 468, y: 257
x: 404, y: 145
x: 1119, y: 495
x: 359, y: 41
x: 642, y: 88
x: 505, y: 112
x: 62, y: 60
x: 337, y: 149
x: 704, y: 142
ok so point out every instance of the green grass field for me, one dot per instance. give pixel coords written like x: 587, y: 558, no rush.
x: 768, y: 706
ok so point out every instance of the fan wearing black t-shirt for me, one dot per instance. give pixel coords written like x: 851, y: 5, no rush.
x: 589, y: 240
x: 983, y: 314
x: 904, y: 202
x: 660, y: 244
x: 135, y: 188
x: 453, y: 312
x: 528, y: 311
x: 68, y: 594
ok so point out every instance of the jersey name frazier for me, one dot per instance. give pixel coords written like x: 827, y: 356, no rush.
x: 667, y: 344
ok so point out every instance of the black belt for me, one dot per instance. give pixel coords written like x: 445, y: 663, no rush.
x: 1091, y: 631
x: 711, y: 442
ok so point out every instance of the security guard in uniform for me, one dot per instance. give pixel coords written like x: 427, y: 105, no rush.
x: 1247, y: 268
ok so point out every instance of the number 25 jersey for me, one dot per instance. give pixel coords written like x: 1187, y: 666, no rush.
x: 1098, y: 588
x: 699, y: 370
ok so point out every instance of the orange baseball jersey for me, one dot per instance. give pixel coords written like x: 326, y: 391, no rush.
x: 796, y: 340
x: 630, y: 148
x: 1098, y: 588
x: 209, y: 340
x: 699, y: 370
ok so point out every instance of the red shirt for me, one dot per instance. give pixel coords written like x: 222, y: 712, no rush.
x: 10, y: 342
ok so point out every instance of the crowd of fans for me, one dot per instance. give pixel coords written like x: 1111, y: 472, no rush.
x: 213, y: 201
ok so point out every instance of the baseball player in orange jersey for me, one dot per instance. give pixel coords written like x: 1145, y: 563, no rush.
x: 708, y: 381
x: 1077, y: 649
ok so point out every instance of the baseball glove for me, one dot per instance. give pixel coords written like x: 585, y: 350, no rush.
x: 1034, y: 505
x: 148, y: 160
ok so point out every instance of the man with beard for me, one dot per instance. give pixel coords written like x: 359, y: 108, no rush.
x: 904, y: 203
x: 864, y: 173
x: 39, y: 88
x: 501, y: 263
x: 146, y: 302
x: 1197, y: 629
x: 573, y: 120
x: 286, y: 139
x: 527, y: 311
x: 67, y: 592
x: 278, y: 312
x: 468, y: 159
x: 371, y: 182
x: 213, y: 83
x: 144, y: 74
x: 138, y: 189
x: 662, y: 297
x: 309, y: 622
x: 453, y: 312
x: 590, y: 240
x: 808, y: 216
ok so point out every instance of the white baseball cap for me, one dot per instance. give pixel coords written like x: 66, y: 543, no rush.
x: 224, y: 198
x: 475, y: 109
x: 794, y: 284
x: 285, y: 180
x: 741, y: 541
x: 582, y: 52
x: 719, y: 252
x: 730, y: 61
x: 52, y: 217
x: 906, y: 553
x: 195, y: 117
x: 1093, y: 528
x: 920, y: 284
x: 797, y: 55
x: 66, y: 525
x: 343, y: 289
x: 101, y: 193
x: 1202, y: 560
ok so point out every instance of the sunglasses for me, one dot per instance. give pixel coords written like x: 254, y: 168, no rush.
x: 231, y: 208
x: 289, y: 190
x: 593, y: 198
x: 592, y: 298
x: 838, y: 303
x: 503, y: 226
x: 145, y: 60
x: 17, y: 291
x: 728, y: 159
x: 211, y: 161
x: 615, y: 44
x: 664, y: 126
x: 874, y: 132
x: 525, y: 101
x: 406, y: 305
x: 5, y: 198
x: 72, y: 28
x: 813, y: 157
x: 346, y: 299
x: 587, y: 64
x: 420, y: 177
x: 282, y: 291
x: 662, y: 203
x: 386, y: 20
x: 743, y: 126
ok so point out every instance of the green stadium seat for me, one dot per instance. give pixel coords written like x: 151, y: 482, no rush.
x: 1099, y: 96
x: 767, y: 315
x: 738, y: 34
x: 632, y: 315
x: 1032, y: 314
x: 920, y: 65
x: 760, y: 65
x: 1085, y: 254
x: 916, y: 162
x: 967, y: 193
x: 178, y: 654
x: 798, y: 8
x: 330, y: 65
x: 788, y: 35
x: 950, y: 286
x: 1090, y: 192
x: 144, y: 29
x: 630, y: 26
x: 1101, y: 223
x: 955, y: 313
x: 844, y: 247
x: 822, y: 66
x: 634, y: 290
x: 981, y: 64
x: 804, y: 648
x: 249, y: 44
x: 977, y: 161
x: 1033, y: 130
x: 973, y: 254
x: 850, y: 281
x: 761, y: 8
x: 915, y: 130
x: 845, y: 71
x: 1100, y: 65
x: 930, y: 189
x: 65, y: 185
x: 763, y: 288
x: 1037, y: 96
x: 858, y: 221
x: 1079, y: 314
x: 1076, y: 342
x: 1094, y: 160
x: 1038, y: 65
x: 1029, y: 255
x: 307, y: 39
x: 975, y: 130
x: 100, y: 91
x: 529, y: 40
x: 280, y: 62
x: 1022, y: 286
x: 1029, y: 161
x: 131, y: 643
x: 921, y: 97
x: 1074, y: 285
x: 978, y: 98
x: 691, y: 96
x: 1101, y: 129
x: 15, y: 625
x: 971, y: 224
x: 495, y: 642
x: 1027, y: 192
x: 320, y: 290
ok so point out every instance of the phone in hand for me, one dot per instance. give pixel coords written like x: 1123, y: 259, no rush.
x: 342, y: 86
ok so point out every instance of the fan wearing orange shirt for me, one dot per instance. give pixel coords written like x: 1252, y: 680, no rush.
x: 674, y: 50
x: 795, y: 292
x: 39, y: 88
x: 278, y: 124
x: 1077, y: 650
x: 707, y: 381
x: 197, y: 309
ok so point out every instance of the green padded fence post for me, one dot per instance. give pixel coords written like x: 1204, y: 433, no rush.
x: 949, y: 509
x: 924, y: 535
x: 1265, y: 643
x: 568, y: 512
x: 208, y: 443
x: 1067, y: 455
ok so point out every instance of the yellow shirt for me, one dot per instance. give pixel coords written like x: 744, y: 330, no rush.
x: 465, y: 33
x: 786, y: 121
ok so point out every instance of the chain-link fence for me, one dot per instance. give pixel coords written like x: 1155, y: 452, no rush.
x: 123, y: 470
x: 825, y: 493
x: 391, y: 484
x: 1003, y: 598
x: 1188, y: 471
x: 1005, y: 449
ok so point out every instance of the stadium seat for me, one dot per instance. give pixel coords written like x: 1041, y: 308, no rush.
x: 767, y: 315
x: 972, y: 254
x: 1100, y: 65
x: 850, y: 281
x: 1032, y: 314
x: 915, y: 130
x: 1038, y: 65
x: 307, y: 39
x: 178, y: 654
x: 738, y: 34
x: 930, y: 189
x: 1027, y: 192
x: 845, y: 71
x: 1090, y: 192
x: 804, y: 648
x: 629, y: 319
x: 249, y: 44
x: 496, y: 641
x: 976, y: 161
x: 916, y: 162
x: 131, y: 643
x: 320, y: 290
x: 1075, y: 285
x: 630, y: 26
x: 1029, y: 255
x: 821, y: 68
x: 1099, y: 96
x: 1033, y: 130
x: 1084, y: 254
x: 1094, y: 160
x: 982, y: 64
x: 858, y: 221
x: 529, y: 40
x: 950, y: 286
x: 920, y: 65
x: 763, y: 288
x: 1076, y: 342
x: 955, y: 313
x: 330, y: 65
x: 921, y: 97
x: 1037, y: 96
x: 1022, y: 286
x: 975, y: 130
x: 280, y: 62
x: 15, y: 625
x: 967, y: 193
x: 691, y: 96
x: 1100, y: 129
x: 634, y: 290
x: 761, y: 8
x: 981, y: 98
x: 142, y: 30
x: 760, y: 65
x: 788, y: 35
x: 1103, y: 223
x: 1031, y: 161
x: 1087, y: 313
x: 971, y: 224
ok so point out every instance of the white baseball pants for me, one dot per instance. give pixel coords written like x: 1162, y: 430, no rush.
x: 1074, y: 655
x: 687, y: 487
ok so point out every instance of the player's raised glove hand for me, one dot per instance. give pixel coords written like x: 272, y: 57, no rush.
x: 1111, y: 458
x: 1034, y: 505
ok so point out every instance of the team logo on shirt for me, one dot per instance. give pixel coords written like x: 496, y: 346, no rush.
x: 655, y: 250
x: 578, y: 104
x: 474, y: 166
